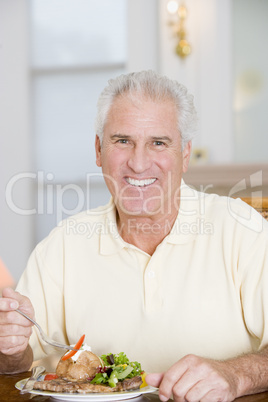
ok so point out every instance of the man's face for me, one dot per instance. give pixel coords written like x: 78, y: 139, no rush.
x: 141, y: 157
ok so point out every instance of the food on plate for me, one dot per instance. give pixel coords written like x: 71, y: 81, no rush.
x: 83, y: 387
x: 85, y: 372
x: 73, y: 352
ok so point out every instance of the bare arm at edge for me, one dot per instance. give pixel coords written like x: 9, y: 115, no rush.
x: 195, y: 378
x: 12, y: 364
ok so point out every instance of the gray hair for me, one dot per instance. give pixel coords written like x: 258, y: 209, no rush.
x: 151, y: 85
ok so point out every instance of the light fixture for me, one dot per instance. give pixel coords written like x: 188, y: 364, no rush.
x: 177, y: 16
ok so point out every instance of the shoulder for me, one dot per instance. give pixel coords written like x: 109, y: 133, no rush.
x: 80, y: 226
x: 98, y: 214
x: 237, y: 213
x: 224, y: 211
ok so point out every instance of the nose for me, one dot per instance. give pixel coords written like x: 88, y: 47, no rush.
x: 140, y: 159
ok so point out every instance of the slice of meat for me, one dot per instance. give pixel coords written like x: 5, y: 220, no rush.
x: 129, y: 384
x: 57, y: 385
x: 86, y: 388
x: 62, y: 385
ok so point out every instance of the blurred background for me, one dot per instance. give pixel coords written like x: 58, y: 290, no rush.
x: 57, y: 55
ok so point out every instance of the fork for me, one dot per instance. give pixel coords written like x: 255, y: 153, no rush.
x: 44, y: 336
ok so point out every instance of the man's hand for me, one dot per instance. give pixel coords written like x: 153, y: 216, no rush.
x: 15, y: 330
x: 195, y: 379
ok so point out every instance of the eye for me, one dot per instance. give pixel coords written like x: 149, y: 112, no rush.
x: 122, y: 141
x: 159, y: 143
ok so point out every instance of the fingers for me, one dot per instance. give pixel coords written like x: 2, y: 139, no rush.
x: 11, y: 300
x: 171, y: 381
x: 8, y: 301
x: 154, y: 379
x: 15, y: 330
x: 9, y: 330
x: 13, y: 344
x: 14, y: 339
x: 194, y: 379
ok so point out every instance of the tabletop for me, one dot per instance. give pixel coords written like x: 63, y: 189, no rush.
x: 8, y: 392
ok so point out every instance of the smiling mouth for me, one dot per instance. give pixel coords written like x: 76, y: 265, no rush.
x: 140, y: 183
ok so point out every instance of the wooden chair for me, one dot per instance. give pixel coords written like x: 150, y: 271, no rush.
x: 259, y: 203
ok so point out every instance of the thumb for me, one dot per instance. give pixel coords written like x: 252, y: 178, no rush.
x: 11, y: 298
x: 9, y: 292
x: 154, y: 379
x: 16, y: 300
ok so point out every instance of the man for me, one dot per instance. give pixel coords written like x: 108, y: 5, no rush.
x: 174, y: 278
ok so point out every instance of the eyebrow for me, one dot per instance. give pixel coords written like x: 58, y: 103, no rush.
x: 162, y: 138
x: 115, y: 136
x: 154, y: 138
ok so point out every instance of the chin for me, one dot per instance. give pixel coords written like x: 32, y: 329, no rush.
x: 140, y: 209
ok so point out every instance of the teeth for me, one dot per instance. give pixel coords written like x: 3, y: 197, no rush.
x: 140, y: 183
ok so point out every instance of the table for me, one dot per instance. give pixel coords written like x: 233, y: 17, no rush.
x: 8, y: 392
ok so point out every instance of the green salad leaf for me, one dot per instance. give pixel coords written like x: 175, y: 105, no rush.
x: 100, y: 378
x: 136, y: 369
x: 121, y: 358
x: 120, y: 369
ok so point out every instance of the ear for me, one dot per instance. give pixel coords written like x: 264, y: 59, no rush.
x: 98, y: 151
x: 186, y: 153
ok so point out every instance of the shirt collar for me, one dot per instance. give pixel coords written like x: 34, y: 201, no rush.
x: 188, y: 223
x: 110, y: 240
x: 185, y: 228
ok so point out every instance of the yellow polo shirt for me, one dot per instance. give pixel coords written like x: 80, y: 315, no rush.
x: 203, y: 291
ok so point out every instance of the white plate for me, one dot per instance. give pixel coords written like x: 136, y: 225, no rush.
x: 96, y: 397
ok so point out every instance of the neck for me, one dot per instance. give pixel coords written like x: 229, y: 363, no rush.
x: 144, y: 232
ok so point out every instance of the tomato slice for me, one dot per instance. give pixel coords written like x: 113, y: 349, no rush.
x: 50, y: 376
x: 73, y: 352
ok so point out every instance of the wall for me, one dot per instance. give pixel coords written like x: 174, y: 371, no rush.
x: 250, y: 104
x: 143, y: 35
x: 207, y: 71
x: 16, y: 232
x: 227, y: 73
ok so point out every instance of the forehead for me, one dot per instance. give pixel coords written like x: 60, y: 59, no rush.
x: 142, y: 109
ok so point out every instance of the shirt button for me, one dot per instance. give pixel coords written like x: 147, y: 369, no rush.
x: 151, y: 274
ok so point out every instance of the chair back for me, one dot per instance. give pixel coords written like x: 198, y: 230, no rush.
x: 258, y: 203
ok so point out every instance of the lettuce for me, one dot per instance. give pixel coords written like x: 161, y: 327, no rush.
x: 100, y: 378
x: 115, y: 372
